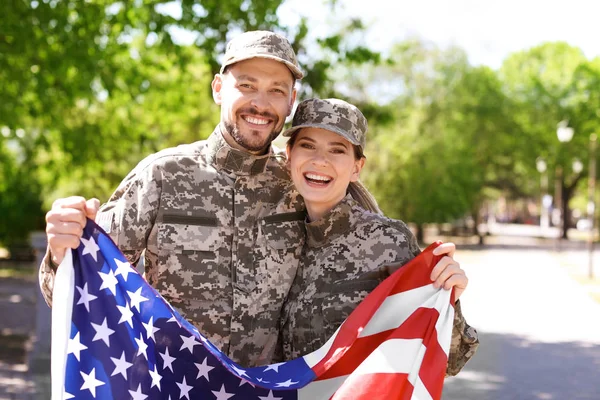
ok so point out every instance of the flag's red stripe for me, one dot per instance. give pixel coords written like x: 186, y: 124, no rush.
x: 422, y: 320
x: 375, y: 387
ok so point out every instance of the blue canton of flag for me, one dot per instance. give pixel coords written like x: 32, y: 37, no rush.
x: 125, y: 342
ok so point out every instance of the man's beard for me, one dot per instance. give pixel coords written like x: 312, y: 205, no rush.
x: 246, y: 141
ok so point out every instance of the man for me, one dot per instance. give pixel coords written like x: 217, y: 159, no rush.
x: 195, y: 211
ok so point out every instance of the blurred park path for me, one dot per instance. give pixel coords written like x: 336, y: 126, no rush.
x: 539, y: 329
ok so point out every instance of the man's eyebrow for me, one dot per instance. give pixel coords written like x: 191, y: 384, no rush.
x: 246, y: 77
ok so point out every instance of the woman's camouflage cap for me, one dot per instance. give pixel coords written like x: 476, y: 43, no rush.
x: 335, y: 115
x: 262, y: 44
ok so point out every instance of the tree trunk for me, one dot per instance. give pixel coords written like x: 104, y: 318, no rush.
x: 420, y: 234
x: 477, y: 220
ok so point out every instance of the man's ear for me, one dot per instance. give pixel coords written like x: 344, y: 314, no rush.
x: 292, y: 100
x: 358, y: 166
x: 217, y: 86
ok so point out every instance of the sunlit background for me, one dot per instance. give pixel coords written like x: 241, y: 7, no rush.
x: 483, y: 117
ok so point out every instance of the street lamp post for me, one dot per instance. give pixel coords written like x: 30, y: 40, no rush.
x: 564, y: 134
x: 544, y: 219
x: 591, y: 206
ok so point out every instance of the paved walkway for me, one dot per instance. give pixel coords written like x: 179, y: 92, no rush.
x: 540, y: 333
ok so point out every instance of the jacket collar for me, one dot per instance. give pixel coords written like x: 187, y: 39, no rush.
x: 336, y: 222
x: 225, y: 157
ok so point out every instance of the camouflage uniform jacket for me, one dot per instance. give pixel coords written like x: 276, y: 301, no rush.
x: 219, y: 242
x: 339, y: 267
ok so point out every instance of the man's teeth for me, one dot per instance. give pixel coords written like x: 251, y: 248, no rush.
x: 317, y: 177
x: 257, y: 121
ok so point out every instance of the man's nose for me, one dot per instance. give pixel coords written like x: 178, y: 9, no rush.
x: 260, y: 101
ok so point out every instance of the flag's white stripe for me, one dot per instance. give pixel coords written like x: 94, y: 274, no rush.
x: 62, y: 306
x: 420, y: 392
x: 321, y: 390
x: 396, y: 309
x: 445, y: 322
x: 392, y: 356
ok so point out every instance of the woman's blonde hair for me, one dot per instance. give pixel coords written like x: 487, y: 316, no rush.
x: 363, y: 197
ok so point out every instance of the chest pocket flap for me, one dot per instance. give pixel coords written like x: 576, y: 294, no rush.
x: 189, y: 233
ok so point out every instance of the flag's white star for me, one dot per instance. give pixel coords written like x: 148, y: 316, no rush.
x: 109, y: 281
x: 66, y: 395
x: 90, y: 382
x: 126, y: 314
x: 185, y: 389
x: 136, y: 298
x: 138, y: 395
x: 270, y: 397
x: 240, y: 372
x: 90, y: 247
x: 167, y: 359
x: 274, y: 367
x: 155, y: 377
x: 123, y: 268
x: 222, y: 394
x: 103, y: 332
x: 261, y: 380
x: 121, y: 365
x: 287, y: 383
x: 75, y: 346
x: 203, y: 369
x: 244, y: 382
x: 85, y: 297
x: 173, y: 319
x: 188, y: 343
x: 150, y: 329
x: 142, y: 346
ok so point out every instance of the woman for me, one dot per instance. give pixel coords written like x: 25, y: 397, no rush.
x: 347, y: 247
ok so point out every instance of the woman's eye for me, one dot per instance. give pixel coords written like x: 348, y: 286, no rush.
x: 306, y: 145
x: 338, y: 151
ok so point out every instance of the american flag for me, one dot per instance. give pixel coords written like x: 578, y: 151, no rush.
x: 115, y: 337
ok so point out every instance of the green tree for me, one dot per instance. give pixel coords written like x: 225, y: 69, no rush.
x: 550, y: 83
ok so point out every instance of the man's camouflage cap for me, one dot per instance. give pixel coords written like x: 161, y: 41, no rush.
x: 335, y: 115
x: 262, y: 44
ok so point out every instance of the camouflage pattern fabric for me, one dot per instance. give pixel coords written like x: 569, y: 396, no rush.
x: 339, y: 268
x: 262, y: 44
x: 220, y: 243
x: 334, y: 115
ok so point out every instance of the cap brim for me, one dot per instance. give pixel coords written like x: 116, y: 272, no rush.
x: 330, y: 128
x: 296, y: 72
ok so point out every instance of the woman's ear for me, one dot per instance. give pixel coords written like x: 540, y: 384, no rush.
x: 358, y: 166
